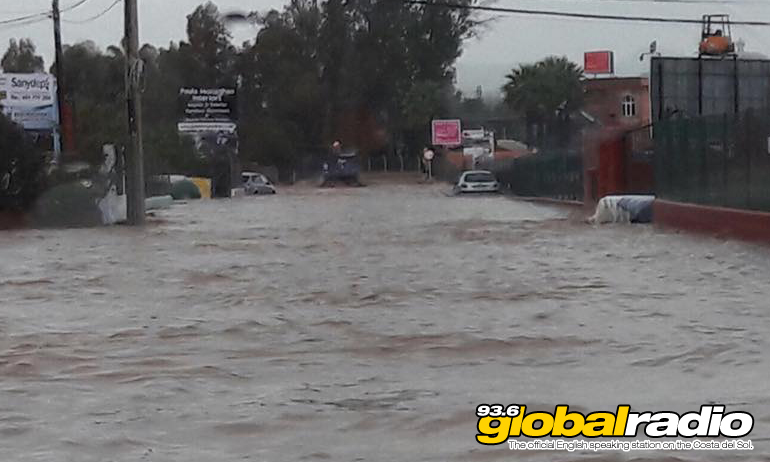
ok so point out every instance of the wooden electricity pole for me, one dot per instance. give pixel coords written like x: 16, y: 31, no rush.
x: 59, y: 66
x: 135, y: 154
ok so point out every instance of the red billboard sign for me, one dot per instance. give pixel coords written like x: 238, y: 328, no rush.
x: 447, y: 133
x: 599, y: 62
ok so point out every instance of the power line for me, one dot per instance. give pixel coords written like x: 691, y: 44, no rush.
x: 681, y: 2
x: 565, y: 14
x: 28, y: 19
x: 34, y: 18
x: 37, y: 17
x: 96, y: 16
x: 73, y: 6
x: 24, y: 23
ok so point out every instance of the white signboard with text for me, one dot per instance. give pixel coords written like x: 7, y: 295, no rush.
x: 29, y: 100
x: 27, y: 90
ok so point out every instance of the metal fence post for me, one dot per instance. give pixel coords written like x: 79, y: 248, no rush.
x: 697, y: 143
x: 726, y: 149
x: 748, y: 124
x: 685, y: 181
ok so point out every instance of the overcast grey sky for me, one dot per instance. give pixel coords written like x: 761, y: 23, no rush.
x: 504, y: 43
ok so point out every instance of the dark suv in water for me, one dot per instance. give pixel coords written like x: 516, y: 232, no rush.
x: 344, y: 168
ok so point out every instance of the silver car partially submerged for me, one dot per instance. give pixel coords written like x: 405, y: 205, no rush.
x: 257, y: 183
x: 477, y: 181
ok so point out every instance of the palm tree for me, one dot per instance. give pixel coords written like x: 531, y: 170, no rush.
x: 545, y: 92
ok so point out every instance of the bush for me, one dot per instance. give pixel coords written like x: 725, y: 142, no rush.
x: 185, y: 189
x: 21, y: 168
x: 72, y: 205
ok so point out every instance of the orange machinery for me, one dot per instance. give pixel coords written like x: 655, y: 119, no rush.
x: 716, y: 36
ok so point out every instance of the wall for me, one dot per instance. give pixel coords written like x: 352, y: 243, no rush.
x: 604, y: 101
x: 716, y: 221
x: 12, y: 220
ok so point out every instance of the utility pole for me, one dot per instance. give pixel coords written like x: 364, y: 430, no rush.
x: 135, y: 157
x: 59, y: 74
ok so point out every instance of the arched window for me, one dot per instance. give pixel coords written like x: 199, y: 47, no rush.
x: 629, y: 106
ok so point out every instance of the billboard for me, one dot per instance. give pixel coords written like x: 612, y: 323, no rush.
x: 29, y: 100
x: 28, y: 90
x: 209, y: 116
x: 208, y: 104
x: 447, y: 132
x: 599, y: 62
x: 702, y: 87
x: 33, y: 118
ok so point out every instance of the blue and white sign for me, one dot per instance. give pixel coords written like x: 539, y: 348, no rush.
x: 33, y: 118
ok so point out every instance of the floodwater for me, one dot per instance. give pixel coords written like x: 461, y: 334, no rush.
x: 365, y: 325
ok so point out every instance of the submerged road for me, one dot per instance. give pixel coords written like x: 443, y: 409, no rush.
x: 365, y: 325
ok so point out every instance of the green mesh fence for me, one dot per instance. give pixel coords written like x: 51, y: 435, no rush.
x: 715, y: 160
x: 556, y: 174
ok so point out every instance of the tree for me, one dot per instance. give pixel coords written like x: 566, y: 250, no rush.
x: 545, y: 92
x: 21, y: 58
x: 404, y: 50
x: 334, y: 52
x: 375, y: 57
x: 96, y: 91
x: 282, y: 118
x: 210, y: 44
x: 372, y: 72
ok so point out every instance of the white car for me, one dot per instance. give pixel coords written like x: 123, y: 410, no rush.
x: 257, y: 183
x: 477, y: 181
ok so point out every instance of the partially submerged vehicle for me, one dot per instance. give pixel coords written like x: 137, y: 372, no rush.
x: 477, y: 181
x: 256, y: 183
x: 344, y: 168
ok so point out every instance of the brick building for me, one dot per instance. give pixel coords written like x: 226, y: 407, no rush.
x: 622, y: 102
x: 620, y: 109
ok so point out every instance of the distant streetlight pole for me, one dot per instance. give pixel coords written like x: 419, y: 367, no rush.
x: 135, y: 157
x: 653, y: 51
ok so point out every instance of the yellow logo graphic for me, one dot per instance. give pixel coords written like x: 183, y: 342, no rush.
x: 498, y: 423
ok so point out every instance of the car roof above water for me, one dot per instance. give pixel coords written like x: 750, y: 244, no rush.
x: 477, y: 172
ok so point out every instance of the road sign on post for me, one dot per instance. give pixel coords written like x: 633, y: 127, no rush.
x: 428, y: 155
x: 447, y: 132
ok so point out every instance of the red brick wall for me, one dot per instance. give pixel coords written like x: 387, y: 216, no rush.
x: 604, y: 100
x: 718, y: 221
x: 12, y: 220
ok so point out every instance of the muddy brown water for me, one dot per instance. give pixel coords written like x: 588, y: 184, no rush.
x: 365, y: 325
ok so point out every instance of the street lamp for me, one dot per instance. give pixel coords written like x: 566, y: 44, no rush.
x: 653, y: 50
x: 237, y: 17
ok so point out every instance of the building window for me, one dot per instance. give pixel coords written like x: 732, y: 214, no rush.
x: 629, y: 106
